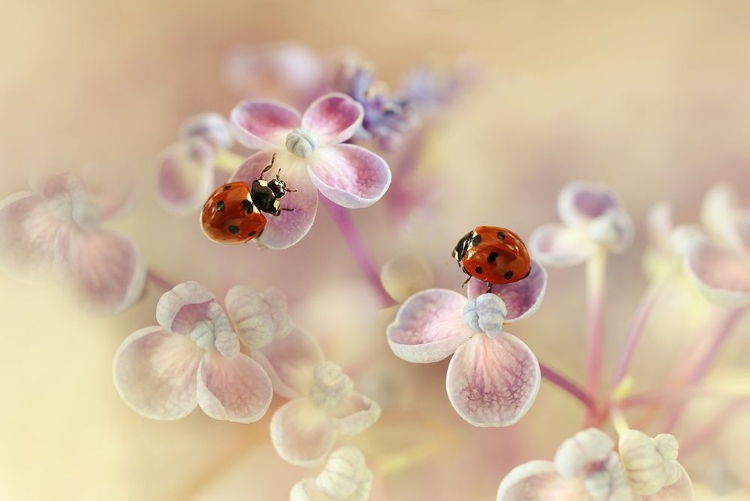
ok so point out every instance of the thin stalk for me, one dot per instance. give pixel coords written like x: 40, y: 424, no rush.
x: 595, y: 286
x: 159, y: 281
x: 567, y: 386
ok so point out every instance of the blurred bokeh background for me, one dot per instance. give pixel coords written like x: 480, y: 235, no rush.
x: 651, y: 98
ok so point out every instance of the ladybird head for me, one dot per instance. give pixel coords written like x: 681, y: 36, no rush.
x: 278, y: 187
x: 462, y: 246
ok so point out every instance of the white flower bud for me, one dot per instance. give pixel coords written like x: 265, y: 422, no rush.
x: 331, y: 385
x: 345, y: 476
x: 301, y: 142
x: 575, y: 455
x: 649, y: 464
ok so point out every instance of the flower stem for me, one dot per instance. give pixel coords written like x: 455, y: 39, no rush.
x: 343, y: 219
x: 595, y: 280
x: 567, y: 386
x: 159, y: 281
x: 636, y: 330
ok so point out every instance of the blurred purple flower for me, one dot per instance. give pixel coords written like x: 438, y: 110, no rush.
x: 311, y: 158
x: 54, y: 231
x: 493, y: 377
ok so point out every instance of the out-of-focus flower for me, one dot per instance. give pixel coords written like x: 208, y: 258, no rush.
x: 344, y: 478
x: 403, y: 276
x: 55, y: 231
x: 192, y: 358
x: 311, y: 158
x: 493, y: 377
x: 586, y: 467
x: 322, y: 402
x: 592, y: 219
x: 430, y: 88
x: 187, y: 167
x: 669, y: 243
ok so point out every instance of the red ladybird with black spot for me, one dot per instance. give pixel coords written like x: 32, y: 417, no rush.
x: 494, y: 255
x: 233, y: 214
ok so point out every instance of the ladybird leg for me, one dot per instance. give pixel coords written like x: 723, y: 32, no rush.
x: 286, y: 188
x: 268, y: 167
x: 489, y: 288
x: 466, y: 281
x: 287, y: 209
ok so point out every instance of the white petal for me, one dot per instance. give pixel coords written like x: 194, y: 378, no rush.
x: 539, y: 481
x: 301, y: 433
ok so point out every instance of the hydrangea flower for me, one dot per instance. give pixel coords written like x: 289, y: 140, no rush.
x: 586, y: 467
x: 55, y: 230
x: 592, y: 220
x: 193, y: 358
x: 493, y: 377
x: 344, y: 478
x: 322, y: 401
x: 311, y: 157
x: 187, y: 168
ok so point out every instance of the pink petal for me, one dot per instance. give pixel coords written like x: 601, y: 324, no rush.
x: 233, y: 388
x: 186, y: 174
x: 429, y: 326
x: 263, y: 124
x: 290, y: 362
x: 258, y: 318
x: 68, y: 199
x: 108, y: 268
x: 349, y: 175
x: 493, y: 381
x: 333, y: 118
x: 558, y: 245
x: 538, y: 481
x: 682, y: 490
x: 155, y: 373
x: 179, y: 309
x: 355, y: 413
x: 581, y: 202
x: 211, y: 127
x: 522, y: 298
x: 301, y: 433
x: 113, y: 191
x: 287, y: 229
x: 721, y: 275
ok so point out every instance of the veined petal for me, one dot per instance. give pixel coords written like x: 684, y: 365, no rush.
x: 333, y: 118
x: 301, y: 433
x: 108, y: 268
x: 355, y: 413
x: 682, y: 490
x: 155, y: 373
x: 522, y: 298
x: 579, y: 202
x: 557, y: 245
x: 287, y: 229
x: 721, y: 275
x: 179, y: 309
x: 539, y: 481
x: 263, y: 124
x: 493, y: 381
x: 349, y: 175
x: 290, y: 363
x: 233, y: 389
x: 186, y: 174
x: 429, y: 326
x: 258, y: 318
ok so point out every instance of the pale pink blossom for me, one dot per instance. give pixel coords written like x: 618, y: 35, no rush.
x: 344, y: 478
x: 322, y: 401
x: 192, y: 358
x: 311, y: 156
x: 55, y: 231
x: 493, y: 377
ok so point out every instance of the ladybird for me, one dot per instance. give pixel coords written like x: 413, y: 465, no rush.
x: 234, y: 213
x: 494, y: 255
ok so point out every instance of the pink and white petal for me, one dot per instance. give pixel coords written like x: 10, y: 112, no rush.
x: 429, y: 326
x: 186, y: 175
x: 233, y: 388
x: 558, y: 245
x: 255, y: 319
x: 682, y: 490
x: 290, y: 362
x: 493, y: 381
x: 355, y: 413
x: 179, y: 309
x: 307, y: 490
x: 722, y: 276
x: 211, y: 127
x: 263, y: 124
x: 301, y: 433
x: 108, y: 269
x: 333, y: 118
x: 349, y: 175
x: 579, y: 202
x: 287, y: 229
x: 155, y: 372
x: 539, y: 481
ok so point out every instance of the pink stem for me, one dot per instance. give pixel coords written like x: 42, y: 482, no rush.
x: 595, y: 275
x: 159, y: 281
x: 567, y: 386
x: 343, y: 219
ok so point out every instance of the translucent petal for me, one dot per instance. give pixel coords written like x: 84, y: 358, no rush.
x: 257, y: 319
x: 558, y: 245
x: 186, y: 175
x: 301, y: 433
x: 579, y: 202
x: 355, y: 413
x: 333, y: 118
x: 721, y: 275
x: 263, y: 124
x: 720, y: 213
x: 539, y: 481
x: 493, y: 381
x: 211, y: 127
x: 179, y: 309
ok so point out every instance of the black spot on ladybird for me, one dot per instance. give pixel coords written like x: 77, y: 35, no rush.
x: 247, y: 205
x: 475, y: 241
x: 492, y: 256
x: 478, y: 269
x: 227, y: 188
x: 508, y: 275
x: 527, y: 274
x: 233, y: 229
x: 220, y: 206
x: 501, y: 235
x: 251, y: 234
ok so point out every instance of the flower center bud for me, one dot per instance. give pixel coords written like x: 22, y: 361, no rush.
x: 331, y: 385
x: 203, y: 335
x: 344, y: 474
x: 486, y: 314
x: 301, y: 142
x: 649, y: 463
